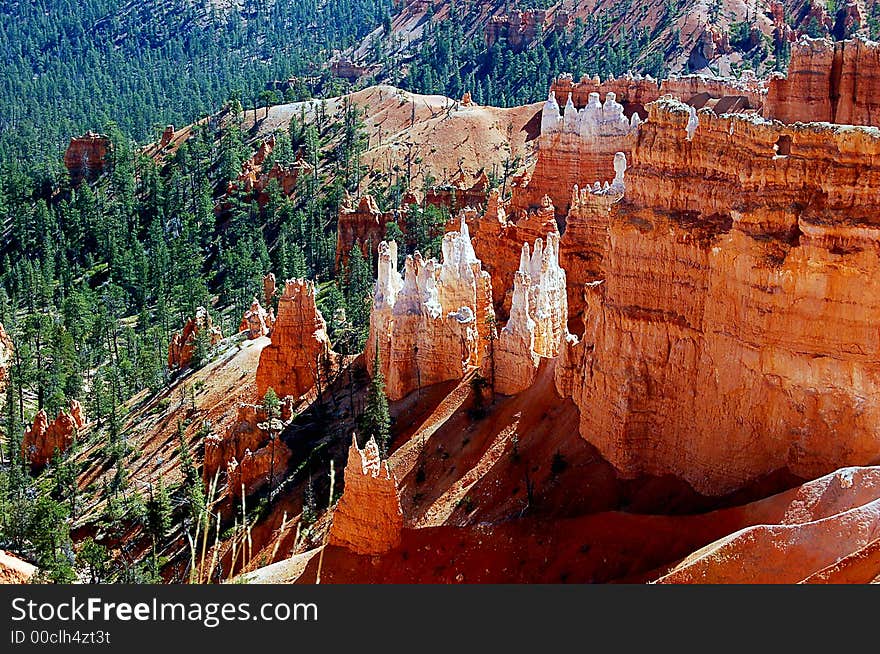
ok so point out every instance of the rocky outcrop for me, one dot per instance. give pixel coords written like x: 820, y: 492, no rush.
x: 256, y: 321
x: 368, y: 518
x: 255, y: 176
x: 515, y: 361
x: 6, y: 352
x: 258, y: 469
x: 43, y: 439
x: 835, y: 82
x: 521, y: 28
x: 599, y: 118
x: 300, y: 347
x: 362, y: 226
x: 434, y: 323
x: 498, y: 238
x: 269, y: 289
x: 730, y: 330
x: 636, y: 91
x: 15, y: 571
x: 183, y: 343
x: 583, y: 245
x: 538, y: 318
x: 576, y: 147
x: 86, y: 157
x: 827, y: 532
x: 241, y: 452
x: 346, y: 69
x: 461, y: 193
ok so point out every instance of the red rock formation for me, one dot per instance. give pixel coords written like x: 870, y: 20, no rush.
x: 6, y: 350
x: 435, y: 323
x: 292, y: 363
x: 86, y: 157
x: 254, y: 179
x: 462, y: 193
x: 732, y: 332
x: 44, y: 438
x: 829, y: 529
x: 243, y: 436
x: 244, y: 451
x: 601, y: 119
x: 256, y: 321
x: 576, y: 148
x: 368, y: 518
x: 832, y: 82
x: 182, y: 345
x: 521, y: 28
x: 13, y: 570
x: 256, y: 470
x: 269, y: 289
x: 347, y: 70
x: 363, y: 226
x: 635, y: 91
x: 583, y: 245
x: 498, y: 242
x: 167, y: 136
x: 538, y: 318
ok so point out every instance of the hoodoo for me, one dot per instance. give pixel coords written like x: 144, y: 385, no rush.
x: 45, y: 438
x: 368, y: 519
x: 435, y: 322
x: 291, y: 364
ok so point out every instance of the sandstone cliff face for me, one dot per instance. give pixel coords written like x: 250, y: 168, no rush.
x: 601, y: 118
x: 86, y: 157
x: 6, y: 351
x: 250, y: 453
x: 269, y: 289
x: 498, y: 239
x: 182, y: 345
x: 255, y: 175
x: 836, y: 82
x: 368, y: 518
x: 258, y: 469
x: 463, y: 192
x: 435, y: 322
x: 290, y: 365
x: 583, y: 245
x: 731, y: 330
x: 44, y: 438
x: 576, y: 147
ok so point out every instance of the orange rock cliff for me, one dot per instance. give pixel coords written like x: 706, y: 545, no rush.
x: 719, y: 281
x: 86, y: 157
x: 831, y: 82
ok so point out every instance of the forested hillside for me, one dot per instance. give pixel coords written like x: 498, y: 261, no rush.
x: 72, y: 65
x: 505, y: 52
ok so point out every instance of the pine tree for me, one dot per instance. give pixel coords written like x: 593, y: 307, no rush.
x: 272, y: 404
x: 357, y: 294
x: 159, y: 511
x: 376, y: 419
x: 193, y: 490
